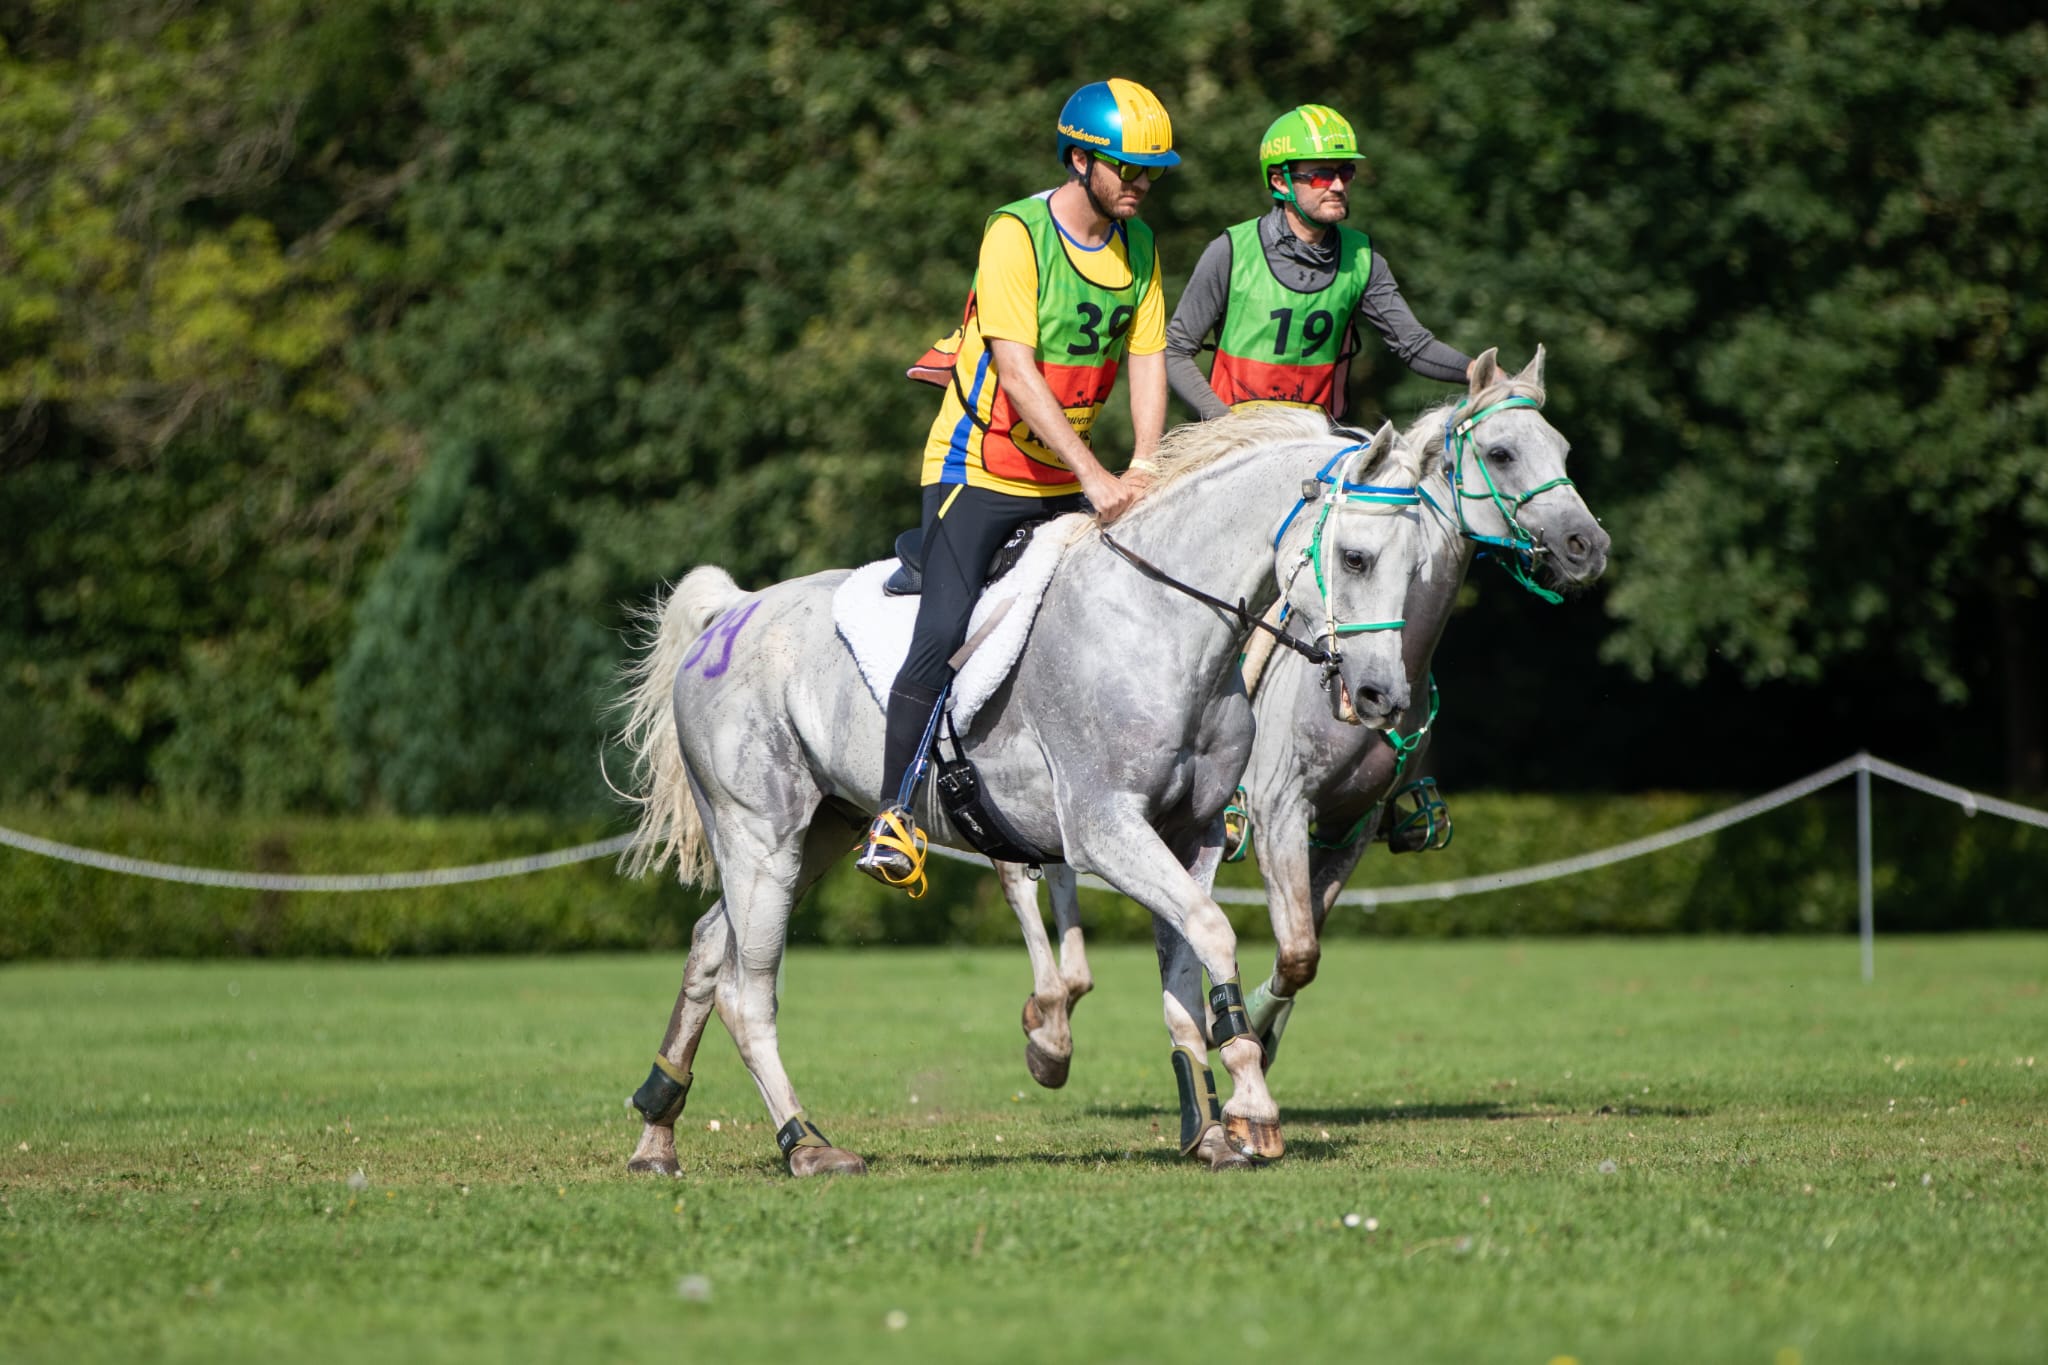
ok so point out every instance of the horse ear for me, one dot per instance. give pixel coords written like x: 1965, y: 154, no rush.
x: 1404, y: 459
x: 1485, y: 370
x: 1384, y: 459
x: 1383, y: 441
x: 1532, y: 374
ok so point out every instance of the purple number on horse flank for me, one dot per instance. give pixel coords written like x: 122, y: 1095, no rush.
x: 724, y: 630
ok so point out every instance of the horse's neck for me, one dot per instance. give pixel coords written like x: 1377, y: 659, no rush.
x: 1214, y: 532
x: 1446, y: 557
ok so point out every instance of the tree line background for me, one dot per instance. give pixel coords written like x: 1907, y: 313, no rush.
x: 363, y: 367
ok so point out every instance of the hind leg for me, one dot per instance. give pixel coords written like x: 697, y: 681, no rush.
x: 760, y: 894
x: 1048, y: 1046
x: 661, y: 1097
x: 1066, y: 913
x: 1055, y: 990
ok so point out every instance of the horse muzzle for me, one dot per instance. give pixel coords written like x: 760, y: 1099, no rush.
x: 1575, y: 556
x: 1373, y: 705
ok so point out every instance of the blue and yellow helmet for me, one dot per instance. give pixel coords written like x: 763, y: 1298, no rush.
x: 1120, y: 119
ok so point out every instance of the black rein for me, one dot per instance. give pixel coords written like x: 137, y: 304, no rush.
x: 1315, y: 654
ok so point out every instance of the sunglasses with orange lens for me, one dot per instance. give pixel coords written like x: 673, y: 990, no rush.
x: 1325, y: 176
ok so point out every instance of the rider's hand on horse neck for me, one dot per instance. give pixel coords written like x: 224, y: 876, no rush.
x: 1111, y: 495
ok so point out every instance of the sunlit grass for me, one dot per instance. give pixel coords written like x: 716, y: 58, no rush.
x: 1719, y: 1150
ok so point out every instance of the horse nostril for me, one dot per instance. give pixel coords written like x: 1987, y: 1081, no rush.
x: 1577, y: 545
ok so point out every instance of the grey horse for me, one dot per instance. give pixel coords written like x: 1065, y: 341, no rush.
x: 1316, y: 786
x: 1116, y: 744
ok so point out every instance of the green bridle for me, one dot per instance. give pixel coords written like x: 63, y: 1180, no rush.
x: 1335, y: 490
x: 1521, y: 548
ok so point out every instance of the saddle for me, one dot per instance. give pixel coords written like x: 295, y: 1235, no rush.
x: 908, y: 580
x: 875, y: 619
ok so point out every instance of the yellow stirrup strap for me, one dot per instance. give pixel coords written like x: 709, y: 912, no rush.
x: 906, y: 839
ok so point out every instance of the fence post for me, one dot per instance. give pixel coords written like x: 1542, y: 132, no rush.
x: 1865, y: 916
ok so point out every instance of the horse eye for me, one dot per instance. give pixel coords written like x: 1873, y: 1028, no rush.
x: 1500, y: 455
x: 1355, y: 561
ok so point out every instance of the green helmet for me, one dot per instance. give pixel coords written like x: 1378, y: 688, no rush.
x: 1309, y: 132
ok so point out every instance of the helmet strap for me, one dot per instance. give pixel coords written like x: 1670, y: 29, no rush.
x: 1285, y: 196
x: 1293, y: 207
x: 1088, y: 188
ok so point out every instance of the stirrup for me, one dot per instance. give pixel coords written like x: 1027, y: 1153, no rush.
x: 895, y: 852
x: 1425, y: 827
x: 1237, y: 829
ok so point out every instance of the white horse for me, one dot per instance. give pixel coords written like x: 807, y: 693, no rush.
x: 1116, y: 744
x: 1317, y: 786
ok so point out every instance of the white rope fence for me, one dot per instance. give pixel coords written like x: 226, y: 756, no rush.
x: 281, y: 881
x: 1861, y: 766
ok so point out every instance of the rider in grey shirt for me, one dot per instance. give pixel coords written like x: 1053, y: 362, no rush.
x: 1301, y: 247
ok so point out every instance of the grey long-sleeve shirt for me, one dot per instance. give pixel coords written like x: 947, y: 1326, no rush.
x: 1303, y: 266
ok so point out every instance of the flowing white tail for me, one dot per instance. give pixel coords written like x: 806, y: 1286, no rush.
x: 669, y: 823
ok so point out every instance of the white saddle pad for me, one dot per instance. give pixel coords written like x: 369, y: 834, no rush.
x: 876, y: 627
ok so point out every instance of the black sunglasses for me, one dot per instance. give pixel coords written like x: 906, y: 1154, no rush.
x: 1127, y: 171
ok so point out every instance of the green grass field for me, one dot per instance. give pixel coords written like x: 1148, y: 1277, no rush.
x: 1697, y: 1150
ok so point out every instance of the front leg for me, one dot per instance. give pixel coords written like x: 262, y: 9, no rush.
x: 1122, y: 847
x: 1202, y: 1134
x: 1284, y: 857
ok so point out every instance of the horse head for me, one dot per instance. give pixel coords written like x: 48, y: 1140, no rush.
x: 1351, y: 580
x: 1505, y: 465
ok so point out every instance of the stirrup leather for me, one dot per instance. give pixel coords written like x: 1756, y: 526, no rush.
x: 893, y: 830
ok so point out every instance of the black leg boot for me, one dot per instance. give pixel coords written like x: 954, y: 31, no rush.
x: 895, y: 849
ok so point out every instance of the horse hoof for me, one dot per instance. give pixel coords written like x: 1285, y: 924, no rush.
x: 1258, y: 1139
x: 1215, y: 1149
x: 825, y: 1161
x: 1048, y: 1070
x: 653, y: 1165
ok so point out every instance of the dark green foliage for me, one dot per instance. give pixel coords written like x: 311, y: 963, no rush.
x: 192, y: 478
x: 362, y: 367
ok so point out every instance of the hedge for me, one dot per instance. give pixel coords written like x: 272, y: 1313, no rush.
x: 1793, y: 871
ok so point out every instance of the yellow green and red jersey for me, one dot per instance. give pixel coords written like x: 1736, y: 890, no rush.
x: 1080, y: 310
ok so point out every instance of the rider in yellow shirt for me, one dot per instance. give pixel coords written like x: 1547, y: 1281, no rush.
x: 1067, y: 286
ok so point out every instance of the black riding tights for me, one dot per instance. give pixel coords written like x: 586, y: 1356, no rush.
x: 963, y: 529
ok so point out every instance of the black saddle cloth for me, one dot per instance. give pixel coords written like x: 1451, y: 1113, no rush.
x: 908, y: 580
